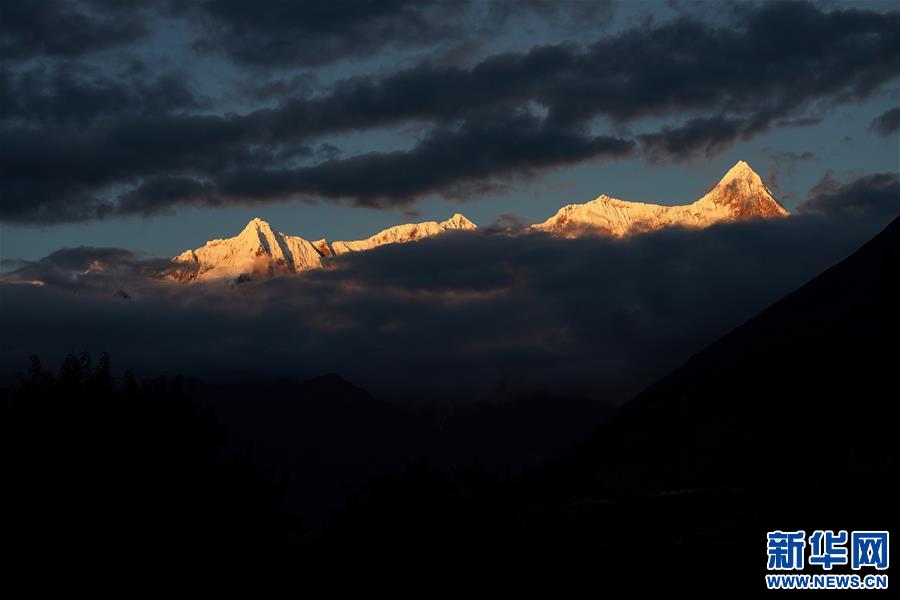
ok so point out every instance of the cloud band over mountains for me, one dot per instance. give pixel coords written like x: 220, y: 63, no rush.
x: 457, y: 315
x: 80, y: 143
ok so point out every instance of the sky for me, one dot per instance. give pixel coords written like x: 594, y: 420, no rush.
x: 159, y: 125
x: 131, y: 133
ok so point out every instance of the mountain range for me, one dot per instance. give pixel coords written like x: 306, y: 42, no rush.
x: 740, y: 194
x: 260, y: 250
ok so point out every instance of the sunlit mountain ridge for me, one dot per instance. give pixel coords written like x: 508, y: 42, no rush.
x: 259, y: 250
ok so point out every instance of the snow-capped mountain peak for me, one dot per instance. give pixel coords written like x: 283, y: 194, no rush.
x: 741, y: 171
x: 257, y: 226
x: 256, y: 249
x: 458, y: 221
x: 740, y: 194
x: 742, y: 190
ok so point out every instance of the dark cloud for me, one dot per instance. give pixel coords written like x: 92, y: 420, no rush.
x: 318, y: 32
x: 887, y: 123
x: 87, y: 269
x: 65, y: 29
x: 460, y: 54
x: 85, y: 162
x: 701, y: 137
x: 506, y: 223
x: 645, y: 71
x: 162, y: 194
x: 328, y: 151
x: 295, y: 86
x: 871, y: 195
x: 574, y: 19
x: 783, y: 168
x: 749, y: 74
x: 70, y: 93
x: 449, y: 316
x: 455, y: 162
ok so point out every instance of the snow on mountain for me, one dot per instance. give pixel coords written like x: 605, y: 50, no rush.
x: 259, y: 250
x: 401, y: 234
x: 323, y: 247
x: 256, y: 250
x: 741, y: 194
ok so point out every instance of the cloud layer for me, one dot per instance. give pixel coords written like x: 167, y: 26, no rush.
x: 887, y: 123
x: 83, y: 140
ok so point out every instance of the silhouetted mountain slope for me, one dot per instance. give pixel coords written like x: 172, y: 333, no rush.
x: 790, y: 421
x: 810, y: 383
x: 787, y: 422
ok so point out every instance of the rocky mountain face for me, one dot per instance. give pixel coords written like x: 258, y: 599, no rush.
x: 259, y: 250
x: 741, y: 194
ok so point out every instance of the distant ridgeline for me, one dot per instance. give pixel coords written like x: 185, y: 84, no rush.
x: 260, y: 250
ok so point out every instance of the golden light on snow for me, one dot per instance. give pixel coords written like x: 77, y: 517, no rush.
x: 259, y: 250
x: 740, y: 194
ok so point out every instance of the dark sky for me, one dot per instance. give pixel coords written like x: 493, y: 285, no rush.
x: 158, y: 125
x: 130, y: 134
